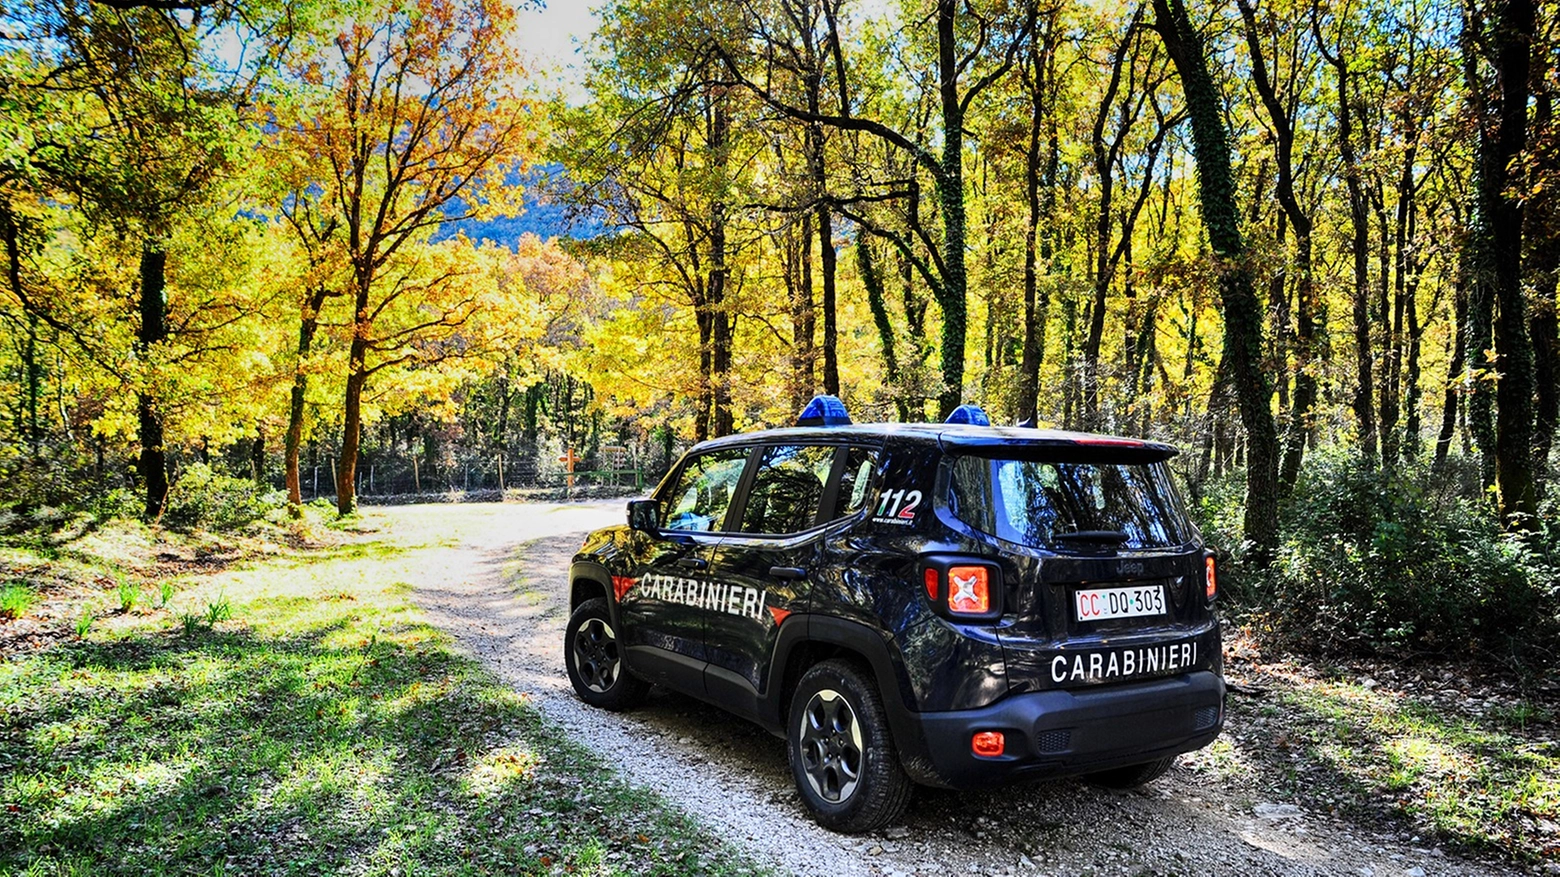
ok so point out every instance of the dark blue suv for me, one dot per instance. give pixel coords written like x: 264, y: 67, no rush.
x: 950, y: 604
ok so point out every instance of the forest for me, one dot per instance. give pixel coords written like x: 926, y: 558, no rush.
x: 264, y: 254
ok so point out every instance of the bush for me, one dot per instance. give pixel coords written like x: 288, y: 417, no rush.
x: 1370, y: 560
x: 202, y: 498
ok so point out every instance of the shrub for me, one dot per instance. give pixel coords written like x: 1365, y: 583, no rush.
x: 202, y: 498
x: 1374, y: 560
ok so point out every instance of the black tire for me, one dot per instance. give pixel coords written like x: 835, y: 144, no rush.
x: 842, y: 756
x: 594, y: 657
x: 1131, y: 776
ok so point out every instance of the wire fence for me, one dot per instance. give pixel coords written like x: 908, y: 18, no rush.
x: 386, y: 476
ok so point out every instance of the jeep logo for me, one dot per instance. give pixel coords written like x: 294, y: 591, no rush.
x: 1131, y: 568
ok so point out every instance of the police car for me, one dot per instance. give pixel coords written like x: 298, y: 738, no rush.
x: 953, y: 604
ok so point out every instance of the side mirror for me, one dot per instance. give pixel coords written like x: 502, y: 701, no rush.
x: 644, y: 515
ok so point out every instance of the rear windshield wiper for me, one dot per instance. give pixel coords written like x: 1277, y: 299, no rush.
x: 1093, y: 537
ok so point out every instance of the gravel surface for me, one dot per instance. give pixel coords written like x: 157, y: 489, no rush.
x: 503, y: 595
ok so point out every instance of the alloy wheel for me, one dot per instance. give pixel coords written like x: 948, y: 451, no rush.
x: 596, y: 655
x: 831, y: 746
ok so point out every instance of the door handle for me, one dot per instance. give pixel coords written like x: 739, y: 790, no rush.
x: 788, y: 572
x: 693, y: 563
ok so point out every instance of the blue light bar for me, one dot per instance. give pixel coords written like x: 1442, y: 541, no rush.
x: 971, y: 415
x: 824, y: 411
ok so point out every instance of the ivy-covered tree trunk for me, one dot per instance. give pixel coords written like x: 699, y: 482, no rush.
x: 950, y: 194
x: 1513, y: 29
x: 1242, y: 313
x: 153, y: 463
x: 867, y: 267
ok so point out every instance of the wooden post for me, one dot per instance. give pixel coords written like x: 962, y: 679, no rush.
x: 416, y: 480
x: 568, y: 460
x: 500, y: 476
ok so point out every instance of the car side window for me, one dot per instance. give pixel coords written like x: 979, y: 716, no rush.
x: 704, y: 491
x: 854, y: 481
x: 787, y: 489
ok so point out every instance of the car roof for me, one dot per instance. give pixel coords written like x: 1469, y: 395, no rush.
x: 980, y: 440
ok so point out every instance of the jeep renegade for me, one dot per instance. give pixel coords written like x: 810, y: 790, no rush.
x: 949, y: 604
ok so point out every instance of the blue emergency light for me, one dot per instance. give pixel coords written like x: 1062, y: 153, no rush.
x: 970, y: 415
x: 824, y: 411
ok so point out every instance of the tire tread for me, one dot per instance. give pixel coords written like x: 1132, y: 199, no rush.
x: 886, y: 788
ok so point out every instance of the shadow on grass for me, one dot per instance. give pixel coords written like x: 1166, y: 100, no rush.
x: 227, y: 752
x: 1408, y: 765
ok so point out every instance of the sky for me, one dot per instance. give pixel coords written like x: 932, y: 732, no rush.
x: 552, y: 37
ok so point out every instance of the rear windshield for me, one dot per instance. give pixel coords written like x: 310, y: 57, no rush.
x: 1033, y: 503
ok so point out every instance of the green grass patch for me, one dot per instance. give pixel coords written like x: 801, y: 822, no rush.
x: 297, y: 717
x: 1476, y: 781
x: 16, y: 598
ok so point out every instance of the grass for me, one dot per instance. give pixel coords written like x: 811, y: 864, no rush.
x: 1483, y: 781
x: 296, y: 716
x: 16, y: 598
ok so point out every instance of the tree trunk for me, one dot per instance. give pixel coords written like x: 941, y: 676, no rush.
x: 1307, y: 305
x: 866, y: 265
x: 153, y: 464
x: 352, y: 419
x: 799, y: 284
x: 1242, y: 313
x: 950, y: 194
x: 308, y: 323
x: 827, y: 261
x: 722, y: 421
x: 1543, y: 242
x: 1359, y: 246
x: 1034, y: 331
x: 1454, y: 372
x: 1513, y: 31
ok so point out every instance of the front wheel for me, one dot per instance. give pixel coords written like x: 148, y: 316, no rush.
x: 594, y: 657
x: 841, y: 754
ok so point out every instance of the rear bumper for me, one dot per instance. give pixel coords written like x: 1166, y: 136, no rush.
x: 1067, y: 732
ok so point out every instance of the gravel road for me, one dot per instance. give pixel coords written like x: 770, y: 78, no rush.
x: 502, y: 594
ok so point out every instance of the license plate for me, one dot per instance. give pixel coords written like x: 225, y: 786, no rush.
x: 1098, y: 604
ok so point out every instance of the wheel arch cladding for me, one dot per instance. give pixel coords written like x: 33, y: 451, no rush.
x: 824, y: 638
x: 587, y: 580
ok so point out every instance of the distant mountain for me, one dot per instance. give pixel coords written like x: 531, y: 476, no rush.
x: 545, y: 214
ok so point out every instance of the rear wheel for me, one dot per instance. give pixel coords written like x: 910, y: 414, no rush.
x: 594, y: 656
x: 842, y: 756
x: 1131, y: 776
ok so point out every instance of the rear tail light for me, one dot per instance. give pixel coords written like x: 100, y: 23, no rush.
x: 969, y: 590
x: 1212, y: 577
x: 988, y: 744
x: 963, y: 589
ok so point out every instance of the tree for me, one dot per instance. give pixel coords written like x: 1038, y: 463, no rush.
x: 144, y: 131
x: 1281, y: 117
x: 415, y: 119
x: 1242, y: 314
x: 941, y: 266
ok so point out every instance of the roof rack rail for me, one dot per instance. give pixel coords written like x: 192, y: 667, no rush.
x: 824, y: 411
x: 973, y: 415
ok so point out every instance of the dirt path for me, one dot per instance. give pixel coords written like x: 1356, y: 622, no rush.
x: 502, y: 593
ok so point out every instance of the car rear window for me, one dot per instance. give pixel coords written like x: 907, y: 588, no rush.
x: 1032, y: 503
